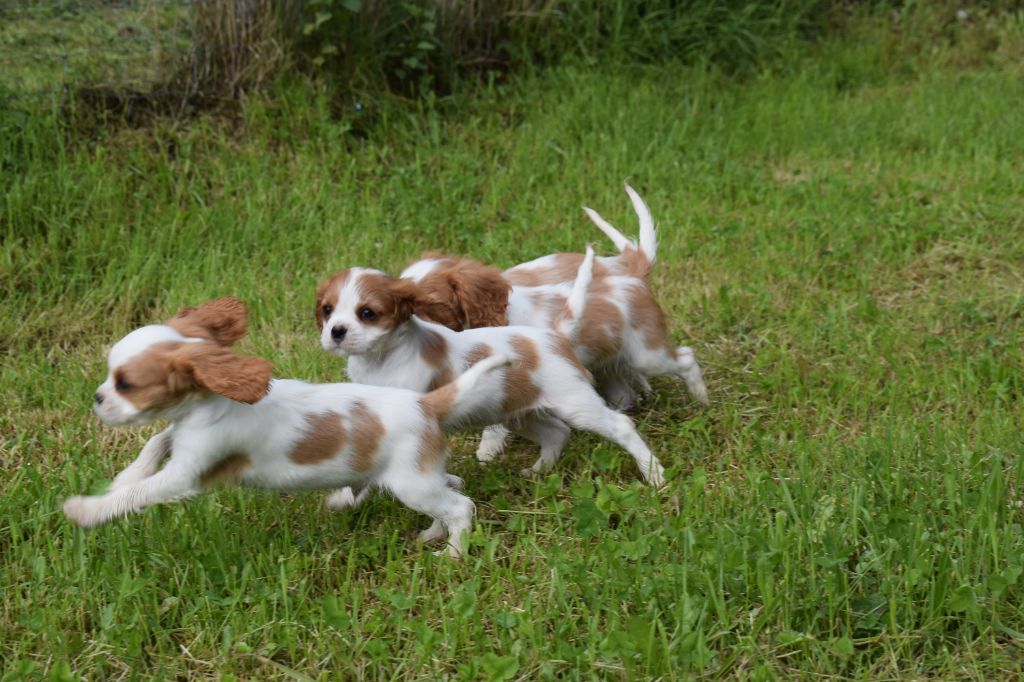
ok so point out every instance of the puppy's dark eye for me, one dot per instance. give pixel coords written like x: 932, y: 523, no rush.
x: 366, y: 314
x: 122, y: 385
x: 327, y: 310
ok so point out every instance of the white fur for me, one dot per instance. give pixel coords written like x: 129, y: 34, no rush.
x: 207, y: 428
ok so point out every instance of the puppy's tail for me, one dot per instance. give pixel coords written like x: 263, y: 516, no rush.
x: 460, y: 397
x: 577, y: 301
x: 648, y: 237
x: 638, y: 261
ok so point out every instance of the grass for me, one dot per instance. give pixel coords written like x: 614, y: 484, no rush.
x: 840, y: 243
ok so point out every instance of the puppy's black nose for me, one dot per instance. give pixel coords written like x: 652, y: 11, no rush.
x: 98, y: 398
x: 338, y: 333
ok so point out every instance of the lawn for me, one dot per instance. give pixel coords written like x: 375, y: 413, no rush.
x: 841, y: 243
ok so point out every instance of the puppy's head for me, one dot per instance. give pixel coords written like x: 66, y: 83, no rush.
x: 476, y: 293
x: 357, y: 309
x: 155, y: 370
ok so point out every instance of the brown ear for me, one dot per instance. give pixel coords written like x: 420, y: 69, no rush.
x: 238, y: 377
x: 481, y: 295
x: 222, y: 320
x: 411, y: 299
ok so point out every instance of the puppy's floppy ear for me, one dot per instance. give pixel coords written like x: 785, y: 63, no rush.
x: 238, y: 377
x: 480, y: 294
x: 222, y: 320
x: 410, y: 299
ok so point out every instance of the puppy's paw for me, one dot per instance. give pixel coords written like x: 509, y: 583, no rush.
x: 492, y: 444
x: 341, y: 499
x: 83, y: 511
x: 656, y: 477
x: 347, y: 498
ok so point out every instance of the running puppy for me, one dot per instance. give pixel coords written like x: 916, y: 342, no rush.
x: 231, y: 422
x: 380, y: 323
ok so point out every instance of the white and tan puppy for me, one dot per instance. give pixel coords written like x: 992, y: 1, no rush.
x: 378, y: 322
x: 230, y: 421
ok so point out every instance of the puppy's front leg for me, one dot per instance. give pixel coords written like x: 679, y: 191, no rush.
x: 148, y: 461
x: 173, y: 482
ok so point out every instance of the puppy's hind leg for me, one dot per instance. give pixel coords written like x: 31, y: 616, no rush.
x: 548, y: 432
x: 689, y: 371
x: 586, y: 411
x: 430, y: 494
x: 679, y: 362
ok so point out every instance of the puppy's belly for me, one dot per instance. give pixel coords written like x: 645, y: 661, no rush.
x: 314, y: 476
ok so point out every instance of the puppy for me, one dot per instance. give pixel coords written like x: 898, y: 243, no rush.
x: 379, y: 323
x: 624, y: 337
x: 230, y: 422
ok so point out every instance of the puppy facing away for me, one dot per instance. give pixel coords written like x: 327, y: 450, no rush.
x: 379, y: 322
x: 623, y: 338
x: 231, y: 422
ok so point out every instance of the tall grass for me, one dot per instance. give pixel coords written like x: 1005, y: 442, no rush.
x: 436, y: 45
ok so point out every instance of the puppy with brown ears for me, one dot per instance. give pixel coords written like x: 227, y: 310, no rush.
x: 230, y: 421
x: 381, y: 324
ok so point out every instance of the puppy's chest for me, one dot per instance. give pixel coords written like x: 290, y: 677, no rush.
x: 413, y: 375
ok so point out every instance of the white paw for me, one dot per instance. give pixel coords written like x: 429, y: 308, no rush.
x: 699, y: 392
x: 492, y: 444
x: 452, y: 550
x: 454, y: 482
x: 656, y: 476
x: 341, y: 500
x: 83, y: 511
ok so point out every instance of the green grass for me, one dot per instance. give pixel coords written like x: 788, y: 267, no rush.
x: 840, y: 243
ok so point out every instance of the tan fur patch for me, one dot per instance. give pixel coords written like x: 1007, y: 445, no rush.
x: 323, y: 439
x: 478, y: 353
x: 367, y: 430
x: 441, y: 378
x: 388, y: 298
x: 393, y: 301
x: 477, y: 294
x: 145, y: 379
x: 227, y: 470
x: 433, y: 448
x: 633, y: 263
x: 564, y: 269
x: 223, y: 320
x: 554, y: 308
x: 433, y: 349
x: 520, y: 391
x: 327, y: 294
x: 437, y: 404
x: 648, y: 319
x: 562, y: 347
x: 601, y: 330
